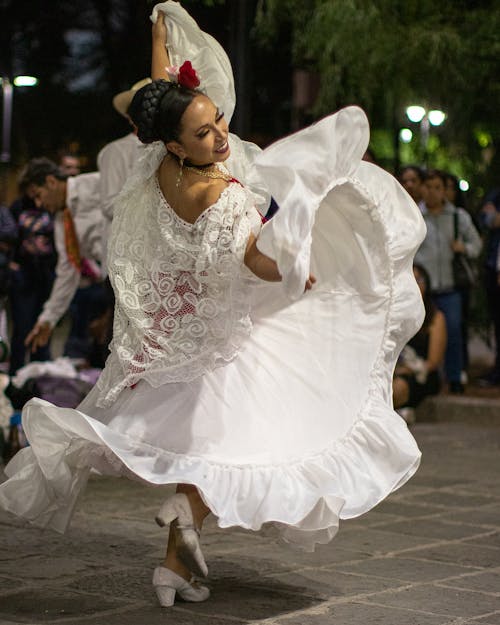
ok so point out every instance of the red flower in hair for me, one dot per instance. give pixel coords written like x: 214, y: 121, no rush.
x: 187, y: 76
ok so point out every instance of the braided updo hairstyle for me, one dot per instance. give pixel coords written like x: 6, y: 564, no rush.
x: 157, y: 109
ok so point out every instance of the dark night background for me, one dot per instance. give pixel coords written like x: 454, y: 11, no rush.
x: 85, y: 53
x: 381, y: 55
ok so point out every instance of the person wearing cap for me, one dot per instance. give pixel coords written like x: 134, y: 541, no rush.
x: 116, y: 160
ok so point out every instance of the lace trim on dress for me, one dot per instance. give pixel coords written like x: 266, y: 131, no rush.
x: 182, y: 290
x: 184, y: 222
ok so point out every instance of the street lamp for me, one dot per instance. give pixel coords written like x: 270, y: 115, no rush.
x: 426, y: 119
x: 8, y: 92
x: 405, y: 135
x: 415, y: 113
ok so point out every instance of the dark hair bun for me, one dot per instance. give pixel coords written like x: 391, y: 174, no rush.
x: 157, y: 110
x: 144, y: 107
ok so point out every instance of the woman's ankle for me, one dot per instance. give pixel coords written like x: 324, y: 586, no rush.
x: 174, y: 564
x: 198, y: 508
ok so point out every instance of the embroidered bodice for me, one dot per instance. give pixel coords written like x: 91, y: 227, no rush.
x: 182, y: 290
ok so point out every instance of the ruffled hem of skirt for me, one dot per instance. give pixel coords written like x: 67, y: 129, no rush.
x: 304, y: 499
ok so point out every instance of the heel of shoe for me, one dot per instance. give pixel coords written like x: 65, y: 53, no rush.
x: 167, y: 583
x: 166, y: 596
x: 166, y: 514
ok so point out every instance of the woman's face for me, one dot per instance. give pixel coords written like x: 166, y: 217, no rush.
x: 435, y: 192
x: 203, y: 138
x: 412, y: 183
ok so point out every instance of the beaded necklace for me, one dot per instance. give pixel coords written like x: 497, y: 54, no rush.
x: 210, y: 173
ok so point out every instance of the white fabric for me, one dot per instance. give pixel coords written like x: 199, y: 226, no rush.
x: 298, y: 429
x: 182, y: 292
x: 241, y: 163
x: 84, y: 202
x: 115, y: 162
x: 186, y: 41
x: 61, y: 367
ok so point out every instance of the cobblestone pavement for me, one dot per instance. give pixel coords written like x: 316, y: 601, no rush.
x: 428, y: 555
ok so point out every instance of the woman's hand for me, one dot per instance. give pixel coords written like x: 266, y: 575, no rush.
x: 159, y: 29
x: 159, y: 59
x: 309, y: 283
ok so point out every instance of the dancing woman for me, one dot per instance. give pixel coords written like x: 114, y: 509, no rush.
x: 265, y: 400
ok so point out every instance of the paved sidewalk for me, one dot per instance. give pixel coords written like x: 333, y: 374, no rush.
x: 429, y: 555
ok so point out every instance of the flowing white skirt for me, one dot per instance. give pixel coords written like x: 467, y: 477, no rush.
x: 298, y: 430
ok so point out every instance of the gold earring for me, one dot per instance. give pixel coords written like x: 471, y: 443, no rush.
x: 179, y: 175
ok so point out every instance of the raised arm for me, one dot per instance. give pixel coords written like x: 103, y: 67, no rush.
x: 63, y: 290
x: 159, y: 57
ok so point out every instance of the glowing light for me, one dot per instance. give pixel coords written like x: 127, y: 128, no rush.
x: 415, y: 113
x: 25, y: 81
x: 405, y: 135
x: 464, y: 185
x: 436, y: 117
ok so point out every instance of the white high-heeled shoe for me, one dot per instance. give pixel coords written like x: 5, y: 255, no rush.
x: 187, y: 536
x: 166, y: 583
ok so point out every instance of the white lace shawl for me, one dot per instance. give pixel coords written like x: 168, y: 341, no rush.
x: 182, y: 290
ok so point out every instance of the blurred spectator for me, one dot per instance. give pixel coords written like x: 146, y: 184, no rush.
x: 436, y: 256
x: 116, y: 160
x: 70, y: 164
x: 8, y: 237
x: 75, y: 204
x: 412, y: 178
x: 417, y: 372
x: 456, y: 196
x: 32, y: 272
x: 489, y: 216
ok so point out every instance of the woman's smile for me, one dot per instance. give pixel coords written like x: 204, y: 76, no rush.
x: 223, y: 148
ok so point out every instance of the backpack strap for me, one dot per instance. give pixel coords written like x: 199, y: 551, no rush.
x: 455, y: 224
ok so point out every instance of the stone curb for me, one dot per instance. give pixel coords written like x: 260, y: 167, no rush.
x: 463, y: 409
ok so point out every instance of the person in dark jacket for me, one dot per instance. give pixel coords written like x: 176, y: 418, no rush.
x: 489, y: 216
x: 32, y: 273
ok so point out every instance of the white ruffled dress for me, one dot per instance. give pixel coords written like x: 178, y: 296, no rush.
x: 276, y: 404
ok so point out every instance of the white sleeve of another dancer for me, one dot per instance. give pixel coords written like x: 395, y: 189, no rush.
x: 66, y: 282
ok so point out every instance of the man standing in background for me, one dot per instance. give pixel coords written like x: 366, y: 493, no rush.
x: 75, y: 204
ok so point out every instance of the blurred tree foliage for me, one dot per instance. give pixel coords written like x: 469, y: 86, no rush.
x: 387, y: 54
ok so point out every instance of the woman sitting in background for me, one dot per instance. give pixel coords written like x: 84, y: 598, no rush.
x: 417, y: 371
